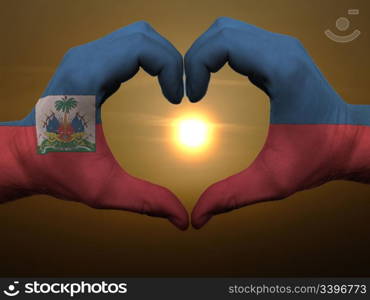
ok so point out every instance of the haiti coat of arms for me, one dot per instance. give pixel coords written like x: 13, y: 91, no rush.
x: 65, y: 124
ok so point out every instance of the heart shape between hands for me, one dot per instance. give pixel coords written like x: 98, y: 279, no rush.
x: 305, y: 112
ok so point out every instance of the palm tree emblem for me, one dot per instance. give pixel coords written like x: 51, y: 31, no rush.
x: 66, y: 128
x: 65, y: 105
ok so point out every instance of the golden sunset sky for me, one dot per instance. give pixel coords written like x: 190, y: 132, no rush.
x: 315, y: 232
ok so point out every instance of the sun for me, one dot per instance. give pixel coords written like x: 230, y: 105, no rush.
x: 192, y: 133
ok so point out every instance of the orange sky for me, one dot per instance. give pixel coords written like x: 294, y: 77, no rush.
x: 303, y: 231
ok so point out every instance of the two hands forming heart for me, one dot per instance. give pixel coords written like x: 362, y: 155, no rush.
x: 314, y: 135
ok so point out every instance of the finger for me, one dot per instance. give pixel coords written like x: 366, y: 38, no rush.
x: 132, y: 194
x: 159, y: 57
x: 245, y: 47
x: 207, y: 55
x: 255, y: 184
x: 164, y: 61
x: 204, y: 48
x: 116, y: 58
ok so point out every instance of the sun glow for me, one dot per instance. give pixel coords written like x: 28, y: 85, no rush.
x: 192, y: 133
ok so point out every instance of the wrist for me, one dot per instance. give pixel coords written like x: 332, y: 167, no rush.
x: 359, y: 114
x: 12, y: 176
x: 357, y: 141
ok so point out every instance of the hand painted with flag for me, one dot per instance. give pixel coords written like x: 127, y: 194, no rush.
x: 59, y: 148
x: 314, y: 135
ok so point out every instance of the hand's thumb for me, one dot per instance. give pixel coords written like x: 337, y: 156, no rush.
x: 252, y: 185
x: 136, y: 195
